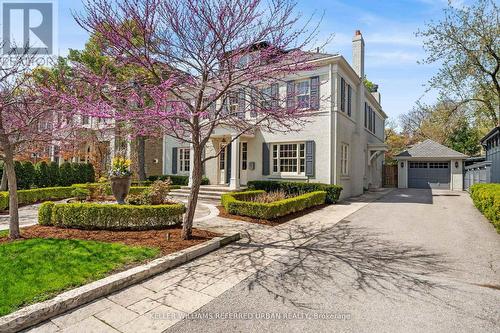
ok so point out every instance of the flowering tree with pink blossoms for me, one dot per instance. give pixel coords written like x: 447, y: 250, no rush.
x: 194, y: 56
x: 27, y: 119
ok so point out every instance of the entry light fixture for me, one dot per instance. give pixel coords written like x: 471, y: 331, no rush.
x: 456, y: 164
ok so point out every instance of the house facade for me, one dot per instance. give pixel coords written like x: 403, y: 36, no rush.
x: 342, y: 143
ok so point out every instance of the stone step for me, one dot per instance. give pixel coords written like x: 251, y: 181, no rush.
x: 201, y: 196
x: 211, y: 188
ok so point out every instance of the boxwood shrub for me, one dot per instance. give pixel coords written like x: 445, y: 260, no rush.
x: 92, y: 216
x: 297, y: 188
x: 486, y: 197
x: 27, y: 197
x: 35, y: 195
x: 237, y: 204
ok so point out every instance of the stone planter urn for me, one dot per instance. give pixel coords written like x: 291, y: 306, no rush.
x: 120, y: 186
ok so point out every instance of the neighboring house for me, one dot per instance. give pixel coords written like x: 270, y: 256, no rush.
x: 491, y: 143
x: 342, y: 144
x: 429, y: 164
x: 486, y: 170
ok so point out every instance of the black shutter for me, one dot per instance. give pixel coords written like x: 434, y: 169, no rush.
x: 290, y: 94
x: 254, y: 98
x: 342, y: 94
x: 366, y: 115
x: 275, y: 95
x: 174, y: 160
x: 265, y: 159
x: 225, y: 106
x: 241, y: 104
x: 310, y: 147
x: 349, y: 98
x: 228, y: 163
x: 315, y: 93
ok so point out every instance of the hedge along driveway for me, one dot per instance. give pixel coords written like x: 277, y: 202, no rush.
x: 34, y: 270
x: 486, y: 198
x: 238, y: 204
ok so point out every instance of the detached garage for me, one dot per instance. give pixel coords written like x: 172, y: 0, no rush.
x: 429, y: 164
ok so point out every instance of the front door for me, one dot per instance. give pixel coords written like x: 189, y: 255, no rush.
x: 243, y: 162
x: 222, y: 164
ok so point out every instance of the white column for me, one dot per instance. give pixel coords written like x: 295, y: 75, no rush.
x: 191, y: 164
x: 234, y: 183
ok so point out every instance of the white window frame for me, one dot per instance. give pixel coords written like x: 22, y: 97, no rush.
x: 344, y: 159
x: 184, y: 165
x: 298, y: 95
x: 276, y: 159
x: 233, y: 102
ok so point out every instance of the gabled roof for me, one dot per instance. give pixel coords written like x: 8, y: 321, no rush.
x: 430, y: 149
x: 490, y: 134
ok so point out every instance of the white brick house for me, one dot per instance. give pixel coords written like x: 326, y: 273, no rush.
x: 343, y: 144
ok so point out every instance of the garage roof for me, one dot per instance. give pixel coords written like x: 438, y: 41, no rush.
x: 430, y: 149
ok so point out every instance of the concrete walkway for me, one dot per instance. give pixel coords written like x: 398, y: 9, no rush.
x: 160, y: 302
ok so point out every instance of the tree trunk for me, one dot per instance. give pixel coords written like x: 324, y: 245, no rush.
x: 187, y: 226
x: 141, y: 158
x: 14, y: 232
x: 3, y: 184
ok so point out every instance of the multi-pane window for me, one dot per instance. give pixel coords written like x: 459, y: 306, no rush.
x: 370, y: 118
x: 288, y: 158
x: 222, y: 159
x: 184, y: 155
x: 233, y: 102
x: 303, y: 93
x: 344, y: 160
x: 418, y: 165
x: 266, y: 98
x: 438, y: 165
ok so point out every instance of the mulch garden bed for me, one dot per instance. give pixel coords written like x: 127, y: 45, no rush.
x: 150, y: 238
x: 272, y: 223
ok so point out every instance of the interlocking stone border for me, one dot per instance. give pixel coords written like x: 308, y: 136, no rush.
x: 36, y: 313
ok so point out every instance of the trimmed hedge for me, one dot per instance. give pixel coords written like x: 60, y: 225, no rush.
x: 44, y: 175
x: 297, y: 188
x: 236, y: 204
x: 486, y: 197
x: 32, y: 196
x: 27, y: 197
x: 178, y: 179
x: 133, y: 189
x: 91, y: 216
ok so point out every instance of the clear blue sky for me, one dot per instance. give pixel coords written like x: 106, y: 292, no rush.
x: 388, y: 27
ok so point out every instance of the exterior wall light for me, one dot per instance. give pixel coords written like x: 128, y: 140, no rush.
x: 402, y: 164
x: 456, y: 164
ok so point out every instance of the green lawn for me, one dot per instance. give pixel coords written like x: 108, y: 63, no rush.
x: 34, y: 270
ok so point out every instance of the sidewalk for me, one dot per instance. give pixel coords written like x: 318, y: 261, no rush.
x: 160, y: 302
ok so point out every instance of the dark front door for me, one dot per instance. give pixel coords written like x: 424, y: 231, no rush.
x: 429, y: 175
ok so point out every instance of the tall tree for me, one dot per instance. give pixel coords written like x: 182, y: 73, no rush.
x: 466, y: 44
x: 198, y: 56
x: 25, y: 120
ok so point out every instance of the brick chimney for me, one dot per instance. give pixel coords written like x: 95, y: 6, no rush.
x: 358, y: 54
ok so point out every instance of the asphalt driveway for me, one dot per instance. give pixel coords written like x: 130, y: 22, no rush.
x: 412, y: 261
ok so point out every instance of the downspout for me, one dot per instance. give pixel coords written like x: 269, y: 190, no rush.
x: 334, y: 133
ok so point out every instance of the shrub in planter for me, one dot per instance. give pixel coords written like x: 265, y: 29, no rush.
x: 239, y: 204
x: 486, y: 198
x: 297, y: 188
x: 90, y: 216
